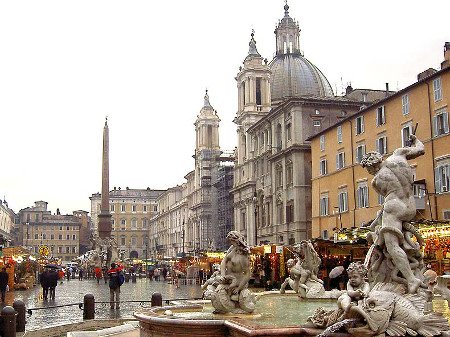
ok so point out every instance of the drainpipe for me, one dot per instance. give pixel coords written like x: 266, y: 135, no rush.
x: 432, y: 151
x: 353, y: 173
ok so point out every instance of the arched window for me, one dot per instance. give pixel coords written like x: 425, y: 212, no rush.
x: 134, y: 223
x: 278, y: 137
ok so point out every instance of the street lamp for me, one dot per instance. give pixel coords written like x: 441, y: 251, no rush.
x: 255, y: 200
x: 182, y: 236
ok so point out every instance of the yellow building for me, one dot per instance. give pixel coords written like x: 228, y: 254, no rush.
x: 341, y: 189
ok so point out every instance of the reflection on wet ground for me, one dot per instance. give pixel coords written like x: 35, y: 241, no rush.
x: 73, y: 291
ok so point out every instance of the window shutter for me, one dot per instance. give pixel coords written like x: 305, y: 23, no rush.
x: 437, y: 180
x: 385, y: 144
x: 445, y: 122
x: 337, y: 161
x: 378, y: 117
x: 435, y: 126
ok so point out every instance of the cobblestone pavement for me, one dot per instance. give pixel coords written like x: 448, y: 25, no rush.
x: 73, y: 291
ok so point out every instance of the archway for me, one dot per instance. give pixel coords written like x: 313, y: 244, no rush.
x: 134, y: 254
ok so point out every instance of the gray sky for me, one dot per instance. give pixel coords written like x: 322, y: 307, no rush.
x: 65, y: 65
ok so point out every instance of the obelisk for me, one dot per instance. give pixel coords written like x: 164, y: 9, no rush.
x: 104, y: 218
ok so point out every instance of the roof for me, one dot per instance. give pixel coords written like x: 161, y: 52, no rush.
x: 380, y: 102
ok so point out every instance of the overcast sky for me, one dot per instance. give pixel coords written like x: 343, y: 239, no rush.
x: 65, y: 65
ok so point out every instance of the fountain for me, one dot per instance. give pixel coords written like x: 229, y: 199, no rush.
x: 394, y: 302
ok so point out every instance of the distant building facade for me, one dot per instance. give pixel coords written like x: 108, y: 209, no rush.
x: 59, y: 233
x: 131, y: 211
x: 341, y: 190
x: 7, y: 218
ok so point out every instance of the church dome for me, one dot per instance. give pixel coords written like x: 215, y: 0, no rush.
x: 294, y: 75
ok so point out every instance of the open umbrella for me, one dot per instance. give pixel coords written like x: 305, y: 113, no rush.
x: 52, y: 266
x: 336, y: 271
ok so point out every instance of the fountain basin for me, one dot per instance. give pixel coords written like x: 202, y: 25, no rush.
x: 275, y: 315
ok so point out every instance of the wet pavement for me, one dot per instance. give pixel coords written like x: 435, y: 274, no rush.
x: 73, y: 291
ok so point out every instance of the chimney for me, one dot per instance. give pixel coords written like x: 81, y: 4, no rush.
x: 387, y: 89
x: 426, y: 73
x: 446, y: 62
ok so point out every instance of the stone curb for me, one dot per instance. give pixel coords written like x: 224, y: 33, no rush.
x: 104, y: 332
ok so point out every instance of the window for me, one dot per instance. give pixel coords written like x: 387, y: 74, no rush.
x: 133, y: 241
x: 111, y: 207
x: 243, y: 220
x: 52, y: 236
x: 440, y: 124
x: 155, y: 208
x: 44, y: 236
x: 362, y: 194
x: 339, y: 134
x: 60, y: 237
x: 322, y: 143
x: 122, y: 208
x: 60, y: 228
x: 279, y: 175
x: 380, y: 199
x: 323, y: 166
x: 280, y: 215
x: 290, y: 212
x: 60, y: 249
x: 278, y: 138
x: 360, y: 152
x: 36, y: 236
x: 405, y: 105
x: 437, y: 89
x: 68, y: 228
x: 123, y: 223
x: 67, y: 250
x: 122, y: 241
x: 343, y: 201
x: 381, y: 144
x: 442, y: 176
x: 406, y: 132
x: 359, y: 125
x: 133, y: 208
x: 323, y: 204
x: 74, y: 250
x: 288, y: 131
x: 144, y: 209
x: 133, y: 223
x: 144, y: 223
x: 381, y: 118
x: 289, y: 173
x: 340, y: 160
x: 68, y: 237
x: 316, y: 123
x: 258, y: 91
x: 74, y: 237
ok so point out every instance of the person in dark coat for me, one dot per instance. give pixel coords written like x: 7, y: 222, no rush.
x: 3, y: 283
x: 114, y: 285
x: 53, y: 282
x: 44, y: 280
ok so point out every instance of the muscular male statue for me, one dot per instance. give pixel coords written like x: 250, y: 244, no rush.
x: 393, y: 179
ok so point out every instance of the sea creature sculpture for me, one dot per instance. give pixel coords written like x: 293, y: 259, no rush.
x: 389, y: 310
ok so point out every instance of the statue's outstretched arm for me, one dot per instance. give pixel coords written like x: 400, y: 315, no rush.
x: 415, y: 150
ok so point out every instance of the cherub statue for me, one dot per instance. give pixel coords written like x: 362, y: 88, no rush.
x: 357, y: 287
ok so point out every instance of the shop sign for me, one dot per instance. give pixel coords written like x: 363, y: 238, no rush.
x: 279, y: 249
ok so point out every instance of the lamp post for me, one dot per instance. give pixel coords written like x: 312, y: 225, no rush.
x: 182, y: 236
x: 255, y: 200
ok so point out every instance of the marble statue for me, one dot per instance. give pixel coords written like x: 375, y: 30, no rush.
x: 397, y: 258
x: 232, y: 294
x: 303, y: 274
x: 399, y: 301
x: 210, y: 285
x: 357, y: 287
x: 106, y: 248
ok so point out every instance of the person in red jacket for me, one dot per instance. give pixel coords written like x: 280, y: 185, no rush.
x: 114, y: 285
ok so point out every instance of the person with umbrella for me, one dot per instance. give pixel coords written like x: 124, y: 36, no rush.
x: 44, y: 280
x: 52, y: 279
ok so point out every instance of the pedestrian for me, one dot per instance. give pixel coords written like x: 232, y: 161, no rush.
x: 68, y: 273
x: 156, y: 274
x: 61, y: 275
x: 114, y: 286
x: 3, y: 283
x: 98, y: 274
x: 80, y: 274
x: 164, y: 273
x: 53, y: 282
x: 44, y: 280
